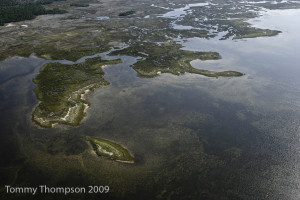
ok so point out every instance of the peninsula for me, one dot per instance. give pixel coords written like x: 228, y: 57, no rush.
x: 169, y: 58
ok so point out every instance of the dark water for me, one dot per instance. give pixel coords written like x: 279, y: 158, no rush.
x: 193, y: 137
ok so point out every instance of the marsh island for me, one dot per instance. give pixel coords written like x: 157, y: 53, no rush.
x: 112, y: 150
x: 61, y: 88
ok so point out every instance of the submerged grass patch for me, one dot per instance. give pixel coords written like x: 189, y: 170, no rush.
x: 169, y: 58
x: 111, y: 150
x: 61, y: 88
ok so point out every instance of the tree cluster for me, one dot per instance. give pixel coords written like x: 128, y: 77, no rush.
x: 13, y: 11
x: 79, y: 4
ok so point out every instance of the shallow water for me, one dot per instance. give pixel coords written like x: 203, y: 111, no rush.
x: 192, y: 136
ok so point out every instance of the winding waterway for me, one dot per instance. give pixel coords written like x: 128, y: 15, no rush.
x: 192, y: 136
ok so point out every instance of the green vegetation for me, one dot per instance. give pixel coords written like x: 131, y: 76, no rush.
x: 14, y: 11
x: 111, y: 150
x: 79, y: 4
x: 50, y: 52
x: 55, y: 11
x: 169, y: 58
x: 126, y: 13
x: 255, y: 32
x: 6, y: 3
x: 244, y: 30
x: 44, y: 2
x: 60, y: 90
x: 19, y: 13
x: 240, y: 29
